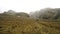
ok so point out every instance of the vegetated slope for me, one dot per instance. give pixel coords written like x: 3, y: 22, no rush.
x: 23, y: 25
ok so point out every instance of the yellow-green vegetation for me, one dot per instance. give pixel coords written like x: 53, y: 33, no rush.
x: 23, y: 25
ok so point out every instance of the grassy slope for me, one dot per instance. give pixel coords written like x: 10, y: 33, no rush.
x: 19, y: 25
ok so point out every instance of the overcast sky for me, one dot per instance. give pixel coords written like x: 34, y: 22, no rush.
x: 27, y: 5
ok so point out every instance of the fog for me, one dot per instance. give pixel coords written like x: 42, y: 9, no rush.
x: 27, y: 5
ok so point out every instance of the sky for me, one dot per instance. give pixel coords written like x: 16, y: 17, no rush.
x: 27, y: 5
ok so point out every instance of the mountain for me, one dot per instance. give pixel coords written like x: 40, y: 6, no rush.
x: 24, y: 25
x: 22, y: 14
x: 47, y: 13
x: 39, y: 22
x: 13, y: 13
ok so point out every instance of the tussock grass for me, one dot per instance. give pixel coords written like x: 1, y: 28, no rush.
x: 23, y: 25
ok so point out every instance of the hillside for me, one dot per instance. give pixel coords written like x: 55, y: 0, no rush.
x: 26, y: 25
x: 47, y: 13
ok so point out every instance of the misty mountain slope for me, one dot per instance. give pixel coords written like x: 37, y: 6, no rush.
x: 13, y: 13
x: 26, y: 25
x: 47, y: 13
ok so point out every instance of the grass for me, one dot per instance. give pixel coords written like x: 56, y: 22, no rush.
x: 23, y: 25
